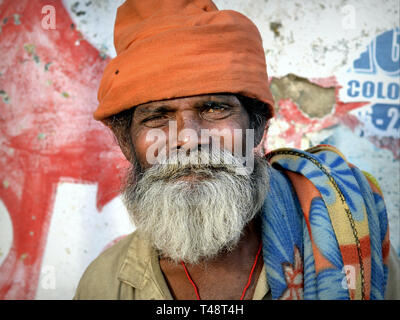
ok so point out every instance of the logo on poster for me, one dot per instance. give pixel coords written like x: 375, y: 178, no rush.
x: 374, y: 77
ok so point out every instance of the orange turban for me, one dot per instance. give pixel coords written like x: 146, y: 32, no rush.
x: 178, y: 48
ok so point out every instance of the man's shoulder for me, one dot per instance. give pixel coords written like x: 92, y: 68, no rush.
x: 100, y: 279
x: 113, y: 256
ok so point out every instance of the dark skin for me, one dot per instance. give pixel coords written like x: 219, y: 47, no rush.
x: 225, y: 276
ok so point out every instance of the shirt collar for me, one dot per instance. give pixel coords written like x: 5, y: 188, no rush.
x: 141, y: 270
x: 136, y: 267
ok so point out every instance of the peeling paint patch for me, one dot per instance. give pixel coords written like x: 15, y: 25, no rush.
x: 389, y: 143
x: 17, y: 20
x: 4, y: 96
x: 76, y: 11
x: 31, y: 50
x: 41, y: 136
x: 92, y: 23
x: 47, y: 65
x: 275, y: 26
x: 313, y: 100
x: 16, y: 17
x: 6, y: 184
x: 23, y: 256
x: 103, y: 52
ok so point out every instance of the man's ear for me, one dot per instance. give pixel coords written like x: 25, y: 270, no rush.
x: 120, y: 125
x: 261, y: 147
x: 260, y: 132
x: 125, y: 146
x: 126, y: 151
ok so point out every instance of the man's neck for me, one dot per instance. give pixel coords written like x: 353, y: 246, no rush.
x: 223, y: 277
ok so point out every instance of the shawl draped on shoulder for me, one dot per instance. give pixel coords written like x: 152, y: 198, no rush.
x: 324, y: 228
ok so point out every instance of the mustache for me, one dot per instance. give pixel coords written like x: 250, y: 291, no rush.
x: 201, y: 163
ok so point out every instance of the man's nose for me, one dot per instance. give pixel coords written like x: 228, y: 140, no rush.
x: 189, y: 127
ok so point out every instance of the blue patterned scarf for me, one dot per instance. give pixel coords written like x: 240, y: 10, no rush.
x: 324, y: 228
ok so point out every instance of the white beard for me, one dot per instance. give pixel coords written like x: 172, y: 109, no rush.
x: 195, y: 218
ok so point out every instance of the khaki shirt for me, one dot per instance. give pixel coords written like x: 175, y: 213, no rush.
x: 130, y: 270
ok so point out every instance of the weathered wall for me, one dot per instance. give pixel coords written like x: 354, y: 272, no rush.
x: 334, y: 70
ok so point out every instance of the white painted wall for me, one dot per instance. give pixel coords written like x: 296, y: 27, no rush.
x: 318, y: 37
x: 69, y: 249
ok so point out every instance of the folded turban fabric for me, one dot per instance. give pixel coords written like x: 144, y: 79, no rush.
x: 179, y: 48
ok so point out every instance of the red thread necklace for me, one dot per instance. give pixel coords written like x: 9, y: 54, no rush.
x: 196, y: 290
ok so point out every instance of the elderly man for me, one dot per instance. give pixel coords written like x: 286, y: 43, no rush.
x: 187, y: 98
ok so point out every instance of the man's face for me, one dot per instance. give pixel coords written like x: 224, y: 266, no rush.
x: 191, y: 116
x: 189, y: 208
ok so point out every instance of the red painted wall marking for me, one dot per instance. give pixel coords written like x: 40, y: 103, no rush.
x: 47, y: 132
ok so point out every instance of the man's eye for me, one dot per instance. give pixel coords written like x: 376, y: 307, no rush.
x: 153, y: 118
x: 215, y: 108
x: 215, y: 111
x: 155, y: 121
